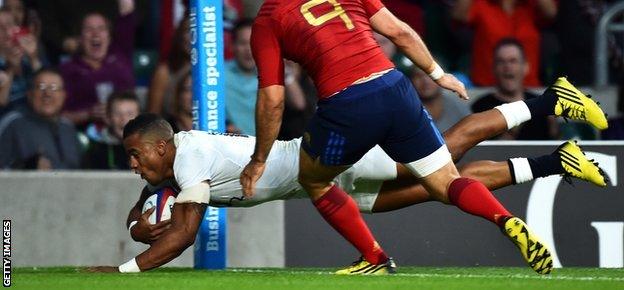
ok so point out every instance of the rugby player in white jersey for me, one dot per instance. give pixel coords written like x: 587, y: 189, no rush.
x: 206, y: 169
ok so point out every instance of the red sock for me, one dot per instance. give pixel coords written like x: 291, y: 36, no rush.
x: 474, y: 198
x: 342, y: 213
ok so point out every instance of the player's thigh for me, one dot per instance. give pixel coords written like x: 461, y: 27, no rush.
x: 432, y: 161
x: 374, y: 165
x: 315, y: 177
x: 412, y: 135
x: 416, y: 142
x: 341, y: 131
x: 422, y: 151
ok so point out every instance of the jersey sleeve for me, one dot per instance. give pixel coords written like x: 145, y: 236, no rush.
x: 193, y: 173
x: 191, y: 167
x: 267, y: 54
x: 372, y: 6
x: 199, y: 193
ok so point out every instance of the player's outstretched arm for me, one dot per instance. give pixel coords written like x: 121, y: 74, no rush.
x: 185, y: 221
x: 186, y: 216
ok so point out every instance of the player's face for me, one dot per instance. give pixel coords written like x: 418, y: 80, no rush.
x: 47, y: 95
x: 145, y: 158
x: 95, y: 37
x: 510, y: 68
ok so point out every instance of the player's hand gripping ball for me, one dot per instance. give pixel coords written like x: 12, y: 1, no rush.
x: 156, y: 216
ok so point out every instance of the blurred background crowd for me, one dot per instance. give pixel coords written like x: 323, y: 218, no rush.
x: 73, y: 72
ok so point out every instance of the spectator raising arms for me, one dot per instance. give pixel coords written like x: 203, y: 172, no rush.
x: 19, y: 59
x: 102, y: 66
x: 36, y: 137
x: 61, y: 23
x: 494, y: 20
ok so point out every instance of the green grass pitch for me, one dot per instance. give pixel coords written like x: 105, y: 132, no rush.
x: 320, y: 279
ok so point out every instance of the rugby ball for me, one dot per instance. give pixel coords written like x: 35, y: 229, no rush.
x: 163, y: 199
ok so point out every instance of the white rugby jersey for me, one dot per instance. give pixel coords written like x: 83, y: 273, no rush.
x: 220, y: 159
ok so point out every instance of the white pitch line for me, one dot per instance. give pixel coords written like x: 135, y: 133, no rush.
x: 429, y: 275
x: 515, y: 276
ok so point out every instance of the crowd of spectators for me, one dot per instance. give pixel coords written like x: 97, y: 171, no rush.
x: 69, y: 82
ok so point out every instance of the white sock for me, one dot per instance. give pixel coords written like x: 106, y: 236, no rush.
x: 515, y: 113
x: 521, y: 170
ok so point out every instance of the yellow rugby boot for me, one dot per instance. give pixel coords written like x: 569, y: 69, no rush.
x: 576, y: 164
x: 573, y: 104
x: 363, y: 267
x: 534, y: 252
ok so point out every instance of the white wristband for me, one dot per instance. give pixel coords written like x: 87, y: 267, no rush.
x: 130, y: 267
x: 132, y: 223
x: 437, y: 72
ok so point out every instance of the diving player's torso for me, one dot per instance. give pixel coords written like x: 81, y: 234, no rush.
x: 220, y: 158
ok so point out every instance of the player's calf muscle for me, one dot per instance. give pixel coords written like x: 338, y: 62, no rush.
x: 492, y: 174
x: 473, y: 129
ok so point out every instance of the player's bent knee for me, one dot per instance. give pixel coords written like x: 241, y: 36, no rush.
x: 441, y: 193
x: 457, y: 149
x: 437, y: 171
x: 438, y: 183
